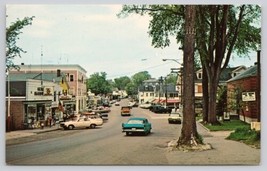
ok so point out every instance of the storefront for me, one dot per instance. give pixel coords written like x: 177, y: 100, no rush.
x: 36, y: 112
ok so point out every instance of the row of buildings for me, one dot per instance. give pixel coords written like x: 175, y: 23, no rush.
x: 242, y: 92
x: 37, y: 92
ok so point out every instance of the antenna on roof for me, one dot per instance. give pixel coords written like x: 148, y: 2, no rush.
x: 41, y: 65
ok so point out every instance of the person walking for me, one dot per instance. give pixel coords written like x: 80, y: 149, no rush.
x: 49, y: 121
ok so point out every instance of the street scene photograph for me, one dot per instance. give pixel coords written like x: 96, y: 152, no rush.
x: 133, y: 85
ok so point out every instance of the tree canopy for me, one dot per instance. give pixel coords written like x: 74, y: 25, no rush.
x: 12, y: 35
x: 122, y: 82
x: 98, y: 84
x: 221, y: 30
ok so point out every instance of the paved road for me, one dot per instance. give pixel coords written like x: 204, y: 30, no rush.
x: 109, y: 146
x: 105, y: 145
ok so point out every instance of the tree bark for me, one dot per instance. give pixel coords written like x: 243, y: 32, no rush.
x: 205, y: 97
x: 189, y: 122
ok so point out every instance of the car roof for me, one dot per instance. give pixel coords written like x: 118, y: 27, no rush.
x: 137, y: 119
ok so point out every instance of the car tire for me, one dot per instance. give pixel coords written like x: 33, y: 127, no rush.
x: 70, y: 127
x: 127, y: 133
x: 92, y: 126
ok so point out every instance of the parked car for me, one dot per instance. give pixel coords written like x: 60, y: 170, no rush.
x: 126, y: 111
x: 117, y: 103
x: 145, y: 105
x: 103, y: 115
x: 133, y: 104
x: 137, y: 125
x: 159, y: 109
x: 88, y: 121
x: 175, y: 117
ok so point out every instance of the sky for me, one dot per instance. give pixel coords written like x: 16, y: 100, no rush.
x: 96, y: 39
x: 93, y: 37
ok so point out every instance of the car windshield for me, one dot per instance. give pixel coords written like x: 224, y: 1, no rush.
x: 135, y: 122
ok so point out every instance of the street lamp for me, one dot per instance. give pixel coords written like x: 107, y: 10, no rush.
x: 175, y: 60
x: 180, y: 73
x: 160, y: 82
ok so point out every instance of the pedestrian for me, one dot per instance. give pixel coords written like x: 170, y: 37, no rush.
x: 49, y: 120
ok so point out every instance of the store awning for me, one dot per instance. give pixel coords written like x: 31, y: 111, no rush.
x: 158, y: 101
x: 172, y: 101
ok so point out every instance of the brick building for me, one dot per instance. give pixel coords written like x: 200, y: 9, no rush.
x: 242, y: 97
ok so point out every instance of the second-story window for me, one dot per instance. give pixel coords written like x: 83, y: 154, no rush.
x: 199, y: 75
x: 71, y: 78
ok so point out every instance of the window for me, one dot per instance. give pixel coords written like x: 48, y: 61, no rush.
x: 71, y: 78
x: 199, y: 75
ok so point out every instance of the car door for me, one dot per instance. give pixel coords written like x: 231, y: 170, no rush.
x: 79, y: 123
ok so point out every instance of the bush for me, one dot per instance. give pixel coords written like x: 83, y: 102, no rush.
x: 246, y: 135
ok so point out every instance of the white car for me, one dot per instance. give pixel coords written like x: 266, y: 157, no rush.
x: 145, y: 105
x: 175, y: 117
x: 83, y: 122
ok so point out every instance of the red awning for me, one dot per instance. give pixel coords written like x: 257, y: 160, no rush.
x: 158, y: 100
x: 172, y: 101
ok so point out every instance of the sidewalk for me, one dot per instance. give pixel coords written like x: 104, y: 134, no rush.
x: 29, y: 132
x: 224, y: 152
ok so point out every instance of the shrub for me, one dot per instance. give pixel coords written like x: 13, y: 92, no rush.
x: 246, y: 135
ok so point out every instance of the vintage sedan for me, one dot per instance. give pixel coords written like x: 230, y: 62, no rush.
x: 137, y: 125
x: 175, y: 117
x: 82, y: 121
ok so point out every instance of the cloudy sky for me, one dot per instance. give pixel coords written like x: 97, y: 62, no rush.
x: 95, y: 38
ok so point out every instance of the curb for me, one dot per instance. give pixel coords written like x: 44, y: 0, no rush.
x: 44, y: 131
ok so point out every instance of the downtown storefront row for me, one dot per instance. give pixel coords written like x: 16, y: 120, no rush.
x: 34, y: 114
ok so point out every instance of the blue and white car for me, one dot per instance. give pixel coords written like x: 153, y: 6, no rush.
x: 137, y: 125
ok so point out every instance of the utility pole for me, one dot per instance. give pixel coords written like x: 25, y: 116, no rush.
x: 259, y: 85
x: 166, y: 91
x: 8, y: 102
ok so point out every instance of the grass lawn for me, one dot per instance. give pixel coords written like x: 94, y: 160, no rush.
x: 228, y: 125
x: 242, y: 132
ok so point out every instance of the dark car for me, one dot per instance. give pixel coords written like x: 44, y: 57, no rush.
x: 159, y: 109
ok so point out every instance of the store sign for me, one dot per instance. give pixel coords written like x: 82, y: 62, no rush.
x: 54, y: 104
x: 248, y: 96
x: 39, y: 92
x: 48, y: 91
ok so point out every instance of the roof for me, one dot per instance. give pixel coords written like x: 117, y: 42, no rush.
x: 52, y: 66
x: 152, y: 80
x: 150, y: 88
x: 250, y: 72
x: 226, y: 73
x: 40, y: 76
x: 137, y: 119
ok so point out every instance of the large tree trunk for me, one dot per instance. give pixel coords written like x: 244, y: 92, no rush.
x: 189, y: 123
x: 213, y: 83
x: 205, y: 97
